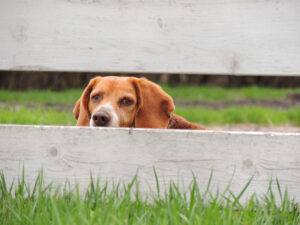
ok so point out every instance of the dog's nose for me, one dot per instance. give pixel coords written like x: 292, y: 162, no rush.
x: 101, y: 118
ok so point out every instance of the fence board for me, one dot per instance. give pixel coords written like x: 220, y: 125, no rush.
x: 206, y: 36
x: 115, y: 153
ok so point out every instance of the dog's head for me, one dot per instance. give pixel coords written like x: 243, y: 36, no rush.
x: 123, y: 102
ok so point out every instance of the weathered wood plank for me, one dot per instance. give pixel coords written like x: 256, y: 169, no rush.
x: 206, y: 36
x: 74, y: 152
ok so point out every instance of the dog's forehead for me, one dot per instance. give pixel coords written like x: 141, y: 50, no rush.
x: 115, y: 84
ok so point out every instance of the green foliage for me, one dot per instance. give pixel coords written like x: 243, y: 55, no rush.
x: 104, y: 203
x: 240, y: 114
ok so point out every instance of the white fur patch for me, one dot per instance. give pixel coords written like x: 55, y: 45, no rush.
x: 92, y: 124
x: 114, y: 122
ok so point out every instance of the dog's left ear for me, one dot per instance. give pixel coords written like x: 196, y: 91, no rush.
x: 154, y: 105
x: 81, y: 111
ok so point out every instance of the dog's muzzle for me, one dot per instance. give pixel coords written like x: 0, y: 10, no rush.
x: 101, y: 119
x: 105, y: 116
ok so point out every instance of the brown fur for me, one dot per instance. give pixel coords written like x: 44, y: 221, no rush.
x: 178, y: 122
x: 155, y: 106
x: 80, y: 111
x: 152, y: 107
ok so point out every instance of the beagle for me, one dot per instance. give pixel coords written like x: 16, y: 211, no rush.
x: 127, y: 102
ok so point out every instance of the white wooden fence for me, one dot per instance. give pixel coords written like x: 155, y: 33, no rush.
x: 178, y: 36
x: 74, y: 152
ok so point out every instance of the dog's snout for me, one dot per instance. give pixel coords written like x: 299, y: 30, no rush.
x: 101, y: 118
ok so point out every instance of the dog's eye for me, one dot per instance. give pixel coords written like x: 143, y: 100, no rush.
x: 96, y: 98
x: 126, y: 101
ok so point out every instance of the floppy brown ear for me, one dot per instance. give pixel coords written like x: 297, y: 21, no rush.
x: 76, y: 109
x: 155, y: 105
x: 81, y: 111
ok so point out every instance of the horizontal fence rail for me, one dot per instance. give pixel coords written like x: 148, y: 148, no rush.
x: 74, y: 153
x: 172, y: 36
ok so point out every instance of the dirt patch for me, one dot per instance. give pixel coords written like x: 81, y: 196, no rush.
x: 55, y: 106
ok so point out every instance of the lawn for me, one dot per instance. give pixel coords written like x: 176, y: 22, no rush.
x: 202, y: 93
x: 36, y: 116
x: 55, y: 108
x: 69, y: 96
x: 241, y: 114
x: 232, y: 115
x: 206, y: 93
x: 103, y: 203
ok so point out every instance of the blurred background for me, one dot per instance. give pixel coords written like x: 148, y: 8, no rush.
x: 265, y: 103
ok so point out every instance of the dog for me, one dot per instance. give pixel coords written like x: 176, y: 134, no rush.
x: 127, y: 102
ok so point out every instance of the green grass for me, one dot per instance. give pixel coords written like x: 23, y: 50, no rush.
x: 241, y: 114
x: 35, y: 116
x: 232, y: 115
x: 69, y: 96
x: 203, y: 93
x: 103, y: 203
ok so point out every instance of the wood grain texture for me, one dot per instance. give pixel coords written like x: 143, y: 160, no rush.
x: 175, y: 36
x: 116, y: 154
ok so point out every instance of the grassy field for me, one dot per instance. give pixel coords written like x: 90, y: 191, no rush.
x: 36, y: 116
x: 228, y: 94
x: 232, y: 115
x: 42, y: 113
x: 69, y: 96
x: 179, y: 92
x: 122, y: 204
x: 241, y: 114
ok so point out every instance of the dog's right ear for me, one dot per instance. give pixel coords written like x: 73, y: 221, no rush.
x: 154, y: 105
x: 81, y: 111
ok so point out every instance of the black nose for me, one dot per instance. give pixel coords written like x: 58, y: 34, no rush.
x: 101, y: 118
